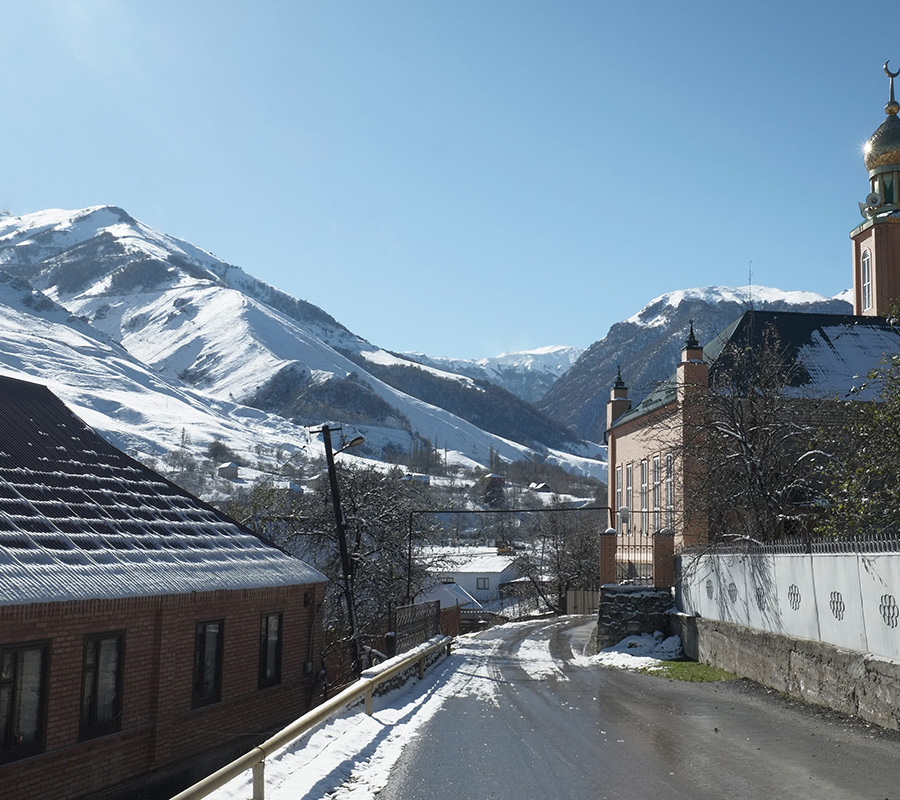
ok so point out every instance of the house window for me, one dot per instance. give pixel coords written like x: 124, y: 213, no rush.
x: 866, y: 280
x: 645, y: 516
x: 270, y: 650
x: 208, y: 663
x: 618, y: 488
x: 482, y: 583
x: 23, y: 700
x: 101, y: 685
x: 657, y: 491
x: 629, y: 493
x: 670, y: 492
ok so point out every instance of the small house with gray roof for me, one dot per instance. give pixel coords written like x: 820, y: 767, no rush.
x: 145, y: 637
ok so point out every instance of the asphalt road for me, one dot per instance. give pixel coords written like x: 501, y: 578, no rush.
x: 598, y: 733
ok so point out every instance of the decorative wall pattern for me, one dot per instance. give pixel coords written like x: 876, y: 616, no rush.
x: 851, y: 600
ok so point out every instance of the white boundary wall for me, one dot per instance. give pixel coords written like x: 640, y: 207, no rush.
x: 848, y: 600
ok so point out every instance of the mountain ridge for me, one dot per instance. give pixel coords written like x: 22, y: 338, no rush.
x: 198, y: 322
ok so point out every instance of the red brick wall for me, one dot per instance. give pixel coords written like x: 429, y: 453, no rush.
x: 159, y: 727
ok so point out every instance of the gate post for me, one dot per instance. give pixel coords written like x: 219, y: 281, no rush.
x: 664, y: 558
x: 608, y: 542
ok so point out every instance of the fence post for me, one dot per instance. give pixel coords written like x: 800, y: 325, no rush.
x: 259, y: 780
x: 422, y: 668
x: 369, y: 696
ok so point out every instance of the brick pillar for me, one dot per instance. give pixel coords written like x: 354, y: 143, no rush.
x: 664, y: 559
x: 608, y: 541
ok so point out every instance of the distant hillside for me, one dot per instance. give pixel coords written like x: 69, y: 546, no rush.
x: 647, y: 347
x: 528, y: 374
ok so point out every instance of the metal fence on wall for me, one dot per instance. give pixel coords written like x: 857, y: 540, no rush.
x: 634, y: 558
x: 414, y: 625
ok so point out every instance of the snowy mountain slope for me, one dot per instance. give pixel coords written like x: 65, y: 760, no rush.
x: 195, y: 320
x: 648, y: 344
x: 528, y: 374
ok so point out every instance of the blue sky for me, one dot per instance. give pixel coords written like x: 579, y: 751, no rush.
x: 465, y: 178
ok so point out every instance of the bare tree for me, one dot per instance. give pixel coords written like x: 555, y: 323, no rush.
x: 563, y: 552
x: 756, y: 450
x: 863, y: 481
x: 384, y: 565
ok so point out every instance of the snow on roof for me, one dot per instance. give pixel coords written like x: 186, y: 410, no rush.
x: 833, y: 353
x: 475, y: 559
x: 81, y: 520
x: 449, y: 595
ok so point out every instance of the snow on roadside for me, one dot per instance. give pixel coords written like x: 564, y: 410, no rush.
x: 355, y: 752
x: 645, y: 651
x: 350, y: 756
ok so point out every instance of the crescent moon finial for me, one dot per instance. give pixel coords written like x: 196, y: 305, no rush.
x: 892, y: 107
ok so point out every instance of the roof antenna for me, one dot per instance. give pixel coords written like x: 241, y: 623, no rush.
x: 750, y: 285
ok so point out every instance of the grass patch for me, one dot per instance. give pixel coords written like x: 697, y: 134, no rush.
x: 691, y: 671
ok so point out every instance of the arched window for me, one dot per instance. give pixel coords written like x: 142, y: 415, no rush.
x: 866, y: 280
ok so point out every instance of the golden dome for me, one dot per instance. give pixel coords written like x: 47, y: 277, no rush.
x: 883, y: 147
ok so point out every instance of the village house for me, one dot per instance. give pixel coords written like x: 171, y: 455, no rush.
x: 145, y: 637
x: 830, y: 354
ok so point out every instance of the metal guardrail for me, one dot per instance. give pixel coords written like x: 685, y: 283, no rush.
x: 255, y: 759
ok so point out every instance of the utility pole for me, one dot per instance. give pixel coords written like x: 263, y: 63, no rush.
x: 341, y: 526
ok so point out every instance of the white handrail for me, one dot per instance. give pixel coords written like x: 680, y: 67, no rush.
x: 255, y: 759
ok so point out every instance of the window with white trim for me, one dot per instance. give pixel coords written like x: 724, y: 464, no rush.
x: 670, y: 491
x: 645, y: 498
x: 657, y: 492
x: 866, y: 280
x: 619, y: 496
x: 629, y: 494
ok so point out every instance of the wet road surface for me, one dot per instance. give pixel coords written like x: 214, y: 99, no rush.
x: 585, y: 731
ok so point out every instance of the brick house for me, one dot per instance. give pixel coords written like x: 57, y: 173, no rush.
x: 145, y: 637
x: 832, y: 353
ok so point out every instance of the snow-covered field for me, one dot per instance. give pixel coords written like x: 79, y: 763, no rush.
x: 350, y: 756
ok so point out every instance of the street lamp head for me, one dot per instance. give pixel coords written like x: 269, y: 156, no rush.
x: 356, y: 441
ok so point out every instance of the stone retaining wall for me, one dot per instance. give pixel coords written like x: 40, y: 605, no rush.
x: 854, y: 683
x: 630, y: 610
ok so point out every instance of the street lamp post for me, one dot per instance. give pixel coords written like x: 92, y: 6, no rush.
x: 341, y: 526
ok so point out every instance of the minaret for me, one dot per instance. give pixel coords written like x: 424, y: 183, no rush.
x: 876, y: 242
x: 618, y: 402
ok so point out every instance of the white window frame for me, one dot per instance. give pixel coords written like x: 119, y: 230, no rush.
x: 866, y: 279
x: 670, y: 491
x: 618, y: 489
x: 629, y: 494
x: 657, y: 494
x: 645, y: 496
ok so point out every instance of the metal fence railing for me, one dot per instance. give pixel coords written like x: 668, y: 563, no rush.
x: 255, y: 759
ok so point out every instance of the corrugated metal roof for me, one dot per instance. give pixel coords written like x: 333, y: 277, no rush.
x: 81, y: 520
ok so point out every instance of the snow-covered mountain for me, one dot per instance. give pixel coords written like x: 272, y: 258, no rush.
x: 529, y: 374
x: 647, y: 346
x: 147, y: 336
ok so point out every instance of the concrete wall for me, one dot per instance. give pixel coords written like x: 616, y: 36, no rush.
x: 855, y: 683
x: 849, y: 600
